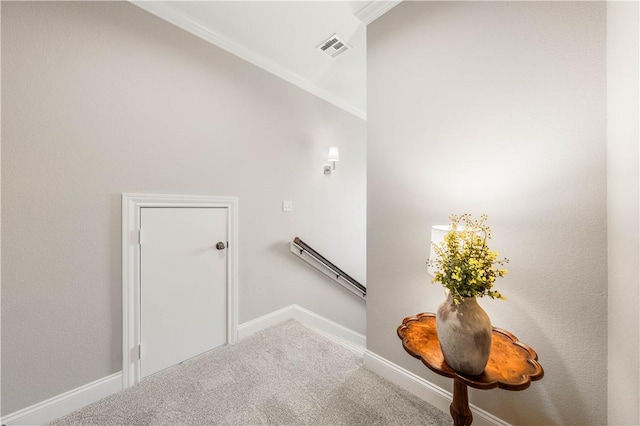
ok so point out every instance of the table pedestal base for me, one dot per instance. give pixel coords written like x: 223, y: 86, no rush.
x: 459, y: 408
x: 512, y: 364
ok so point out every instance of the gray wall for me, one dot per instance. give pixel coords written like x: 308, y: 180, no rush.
x: 497, y: 108
x: 104, y: 98
x: 623, y: 182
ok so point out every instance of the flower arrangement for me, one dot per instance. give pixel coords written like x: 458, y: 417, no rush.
x: 464, y: 264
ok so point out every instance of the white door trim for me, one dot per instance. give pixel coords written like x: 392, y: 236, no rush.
x: 131, y: 205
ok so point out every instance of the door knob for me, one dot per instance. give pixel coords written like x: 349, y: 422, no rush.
x: 220, y: 245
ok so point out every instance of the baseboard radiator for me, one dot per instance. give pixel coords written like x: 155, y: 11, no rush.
x: 322, y: 264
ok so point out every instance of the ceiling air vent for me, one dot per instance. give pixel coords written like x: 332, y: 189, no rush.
x: 334, y: 46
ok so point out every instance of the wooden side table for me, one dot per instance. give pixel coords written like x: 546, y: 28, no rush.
x: 512, y: 365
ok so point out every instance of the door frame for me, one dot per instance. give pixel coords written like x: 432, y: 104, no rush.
x: 131, y: 208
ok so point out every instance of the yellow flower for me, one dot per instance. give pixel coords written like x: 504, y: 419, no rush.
x: 464, y: 264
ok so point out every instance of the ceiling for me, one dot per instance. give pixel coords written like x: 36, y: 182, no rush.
x: 283, y: 37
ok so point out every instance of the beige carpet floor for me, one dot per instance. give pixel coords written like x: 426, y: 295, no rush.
x: 285, y: 375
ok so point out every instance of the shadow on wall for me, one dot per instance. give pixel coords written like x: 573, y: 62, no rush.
x: 557, y: 374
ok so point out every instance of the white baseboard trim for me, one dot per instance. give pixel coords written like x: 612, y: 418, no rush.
x: 68, y: 402
x: 423, y: 389
x: 339, y: 333
x: 265, y: 321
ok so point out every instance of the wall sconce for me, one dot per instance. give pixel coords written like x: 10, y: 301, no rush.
x: 438, y: 233
x: 334, y: 155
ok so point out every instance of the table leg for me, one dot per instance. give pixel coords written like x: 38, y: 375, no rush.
x: 459, y: 408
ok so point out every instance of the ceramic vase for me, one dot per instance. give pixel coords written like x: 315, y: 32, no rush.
x: 464, y: 332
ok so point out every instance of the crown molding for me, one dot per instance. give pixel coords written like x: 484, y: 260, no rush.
x: 375, y: 9
x: 161, y: 10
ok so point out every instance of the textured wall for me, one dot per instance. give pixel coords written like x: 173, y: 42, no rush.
x: 0, y: 210
x: 101, y: 98
x: 497, y: 108
x: 623, y: 181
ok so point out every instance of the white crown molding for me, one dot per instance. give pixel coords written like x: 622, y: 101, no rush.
x: 161, y: 10
x: 375, y: 9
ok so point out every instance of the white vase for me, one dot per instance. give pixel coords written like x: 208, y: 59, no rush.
x: 465, y: 333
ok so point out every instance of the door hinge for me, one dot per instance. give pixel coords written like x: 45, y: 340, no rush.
x: 139, y: 351
x: 140, y: 236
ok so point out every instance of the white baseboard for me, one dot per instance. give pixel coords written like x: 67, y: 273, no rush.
x: 423, y: 389
x: 265, y: 321
x: 68, y: 402
x: 339, y: 333
x: 58, y: 406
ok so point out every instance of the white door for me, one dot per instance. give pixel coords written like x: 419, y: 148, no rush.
x: 182, y: 284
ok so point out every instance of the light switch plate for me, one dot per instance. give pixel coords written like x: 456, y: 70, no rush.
x: 287, y: 206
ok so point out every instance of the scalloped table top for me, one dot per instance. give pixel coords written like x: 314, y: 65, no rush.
x: 512, y: 364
